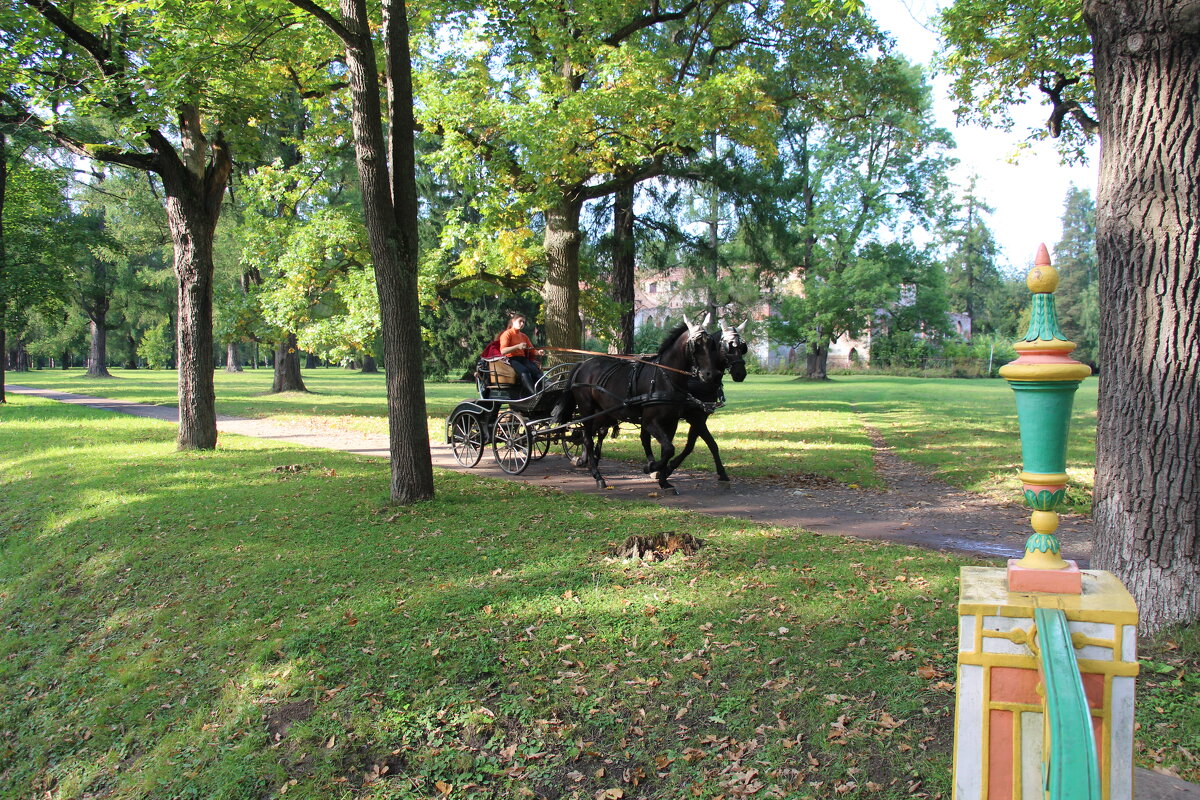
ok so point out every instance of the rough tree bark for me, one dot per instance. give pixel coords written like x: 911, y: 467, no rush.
x: 1147, y: 507
x: 368, y: 364
x: 390, y: 212
x: 287, y: 367
x: 561, y: 288
x: 624, y: 263
x: 98, y: 353
x: 193, y: 186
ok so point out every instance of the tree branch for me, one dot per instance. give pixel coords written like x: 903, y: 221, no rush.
x: 651, y: 168
x: 1063, y: 107
x: 331, y: 22
x: 654, y: 17
x: 89, y: 41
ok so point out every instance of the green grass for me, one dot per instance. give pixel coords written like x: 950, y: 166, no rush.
x: 222, y: 624
x: 964, y: 431
x: 206, y: 625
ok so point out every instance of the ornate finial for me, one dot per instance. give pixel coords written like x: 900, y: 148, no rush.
x: 1044, y: 380
x: 1043, y: 278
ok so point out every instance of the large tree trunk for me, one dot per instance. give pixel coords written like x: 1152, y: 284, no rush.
x: 287, y: 367
x: 193, y: 191
x: 817, y: 361
x: 232, y: 362
x: 368, y: 364
x: 1147, y: 507
x: 98, y: 357
x: 390, y: 212
x: 624, y: 262
x: 561, y: 289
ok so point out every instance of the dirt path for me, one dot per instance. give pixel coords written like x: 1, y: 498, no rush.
x: 914, y: 508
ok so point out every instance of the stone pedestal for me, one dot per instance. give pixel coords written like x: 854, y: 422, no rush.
x: 999, y: 721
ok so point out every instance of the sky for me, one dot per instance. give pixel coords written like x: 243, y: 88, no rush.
x: 1028, y: 193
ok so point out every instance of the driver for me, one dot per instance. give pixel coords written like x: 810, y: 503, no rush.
x: 521, y: 353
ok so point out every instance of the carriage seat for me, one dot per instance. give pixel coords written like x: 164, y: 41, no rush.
x: 496, y: 372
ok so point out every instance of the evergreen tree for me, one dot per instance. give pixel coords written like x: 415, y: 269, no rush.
x: 1075, y: 259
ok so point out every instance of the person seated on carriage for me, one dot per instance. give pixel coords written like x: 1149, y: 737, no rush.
x: 521, y: 353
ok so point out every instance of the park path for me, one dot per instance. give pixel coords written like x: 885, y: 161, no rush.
x: 915, y: 509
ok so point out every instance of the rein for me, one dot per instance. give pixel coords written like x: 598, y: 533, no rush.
x: 619, y: 356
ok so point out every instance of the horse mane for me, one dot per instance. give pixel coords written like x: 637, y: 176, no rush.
x: 672, y: 335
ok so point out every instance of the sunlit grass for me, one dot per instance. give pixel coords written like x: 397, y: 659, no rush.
x: 201, y: 624
x: 963, y: 431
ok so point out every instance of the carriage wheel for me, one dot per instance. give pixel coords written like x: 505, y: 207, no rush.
x: 541, y: 446
x: 512, y: 443
x: 572, y: 444
x: 466, y: 439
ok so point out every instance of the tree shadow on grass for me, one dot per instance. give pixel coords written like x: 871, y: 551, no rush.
x: 150, y: 639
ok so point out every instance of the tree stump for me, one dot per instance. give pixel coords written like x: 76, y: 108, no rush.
x: 658, y: 546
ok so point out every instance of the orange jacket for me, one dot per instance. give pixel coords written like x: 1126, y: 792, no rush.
x: 512, y: 336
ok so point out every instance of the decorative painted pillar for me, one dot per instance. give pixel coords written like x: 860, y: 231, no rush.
x: 1044, y: 379
x: 1047, y: 652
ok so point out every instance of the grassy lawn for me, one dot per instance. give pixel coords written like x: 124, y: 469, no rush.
x: 255, y: 621
x: 965, y: 431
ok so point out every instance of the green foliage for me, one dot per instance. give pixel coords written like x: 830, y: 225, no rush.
x: 455, y: 331
x: 34, y: 277
x: 1003, y: 54
x: 157, y: 347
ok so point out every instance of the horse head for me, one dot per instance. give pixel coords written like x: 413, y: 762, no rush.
x: 703, y: 354
x: 734, y: 348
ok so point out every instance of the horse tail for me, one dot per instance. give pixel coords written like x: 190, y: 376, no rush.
x: 565, y: 407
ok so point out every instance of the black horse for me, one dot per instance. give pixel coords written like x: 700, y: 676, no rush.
x: 705, y: 399
x: 606, y: 391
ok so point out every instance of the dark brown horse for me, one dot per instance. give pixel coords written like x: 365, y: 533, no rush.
x: 604, y: 392
x: 707, y: 398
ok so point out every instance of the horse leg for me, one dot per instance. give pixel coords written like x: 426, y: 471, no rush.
x: 590, y: 458
x: 595, y: 464
x: 707, y: 436
x: 694, y: 425
x: 664, y: 433
x: 651, y: 464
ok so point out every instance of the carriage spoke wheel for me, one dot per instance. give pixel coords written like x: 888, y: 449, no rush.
x: 572, y: 444
x: 512, y: 443
x: 466, y: 439
x: 541, y: 444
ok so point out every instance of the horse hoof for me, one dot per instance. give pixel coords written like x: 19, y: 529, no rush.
x: 601, y: 485
x: 670, y: 490
x: 723, y: 485
x: 577, y: 462
x: 650, y: 467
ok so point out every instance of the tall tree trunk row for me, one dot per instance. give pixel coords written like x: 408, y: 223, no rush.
x: 1147, y: 493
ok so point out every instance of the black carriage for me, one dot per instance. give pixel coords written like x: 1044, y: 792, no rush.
x: 519, y: 427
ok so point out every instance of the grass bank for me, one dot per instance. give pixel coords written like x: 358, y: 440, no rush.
x: 255, y: 621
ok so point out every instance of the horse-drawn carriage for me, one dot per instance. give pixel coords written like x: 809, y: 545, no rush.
x: 575, y: 405
x: 519, y: 427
